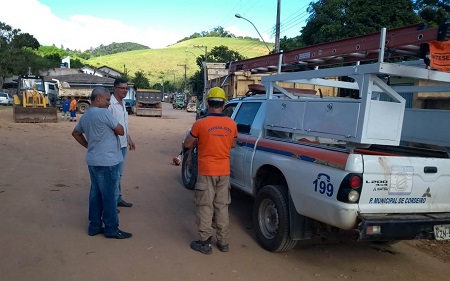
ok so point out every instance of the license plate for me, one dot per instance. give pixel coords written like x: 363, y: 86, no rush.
x: 442, y: 232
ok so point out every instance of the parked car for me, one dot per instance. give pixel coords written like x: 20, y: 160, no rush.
x: 201, y: 111
x: 5, y: 98
x: 191, y: 107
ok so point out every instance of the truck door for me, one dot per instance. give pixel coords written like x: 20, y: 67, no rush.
x: 245, y: 143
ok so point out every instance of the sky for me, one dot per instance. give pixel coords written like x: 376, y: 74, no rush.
x: 82, y: 24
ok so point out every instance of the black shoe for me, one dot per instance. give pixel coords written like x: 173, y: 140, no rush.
x: 223, y: 248
x: 203, y: 247
x: 120, y: 235
x: 124, y: 204
x: 93, y: 233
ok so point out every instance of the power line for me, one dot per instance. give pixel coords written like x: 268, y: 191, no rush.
x: 291, y: 21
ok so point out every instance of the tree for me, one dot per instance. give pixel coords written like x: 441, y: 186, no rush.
x: 290, y: 43
x: 219, y: 31
x: 442, y: 4
x: 24, y: 40
x: 433, y: 12
x: 332, y: 20
x: 197, y: 82
x: 76, y: 63
x: 17, y: 52
x: 52, y: 53
x: 140, y: 81
x: 115, y: 48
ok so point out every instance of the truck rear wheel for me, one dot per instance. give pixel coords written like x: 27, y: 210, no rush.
x: 189, y: 172
x: 82, y: 107
x: 271, y: 219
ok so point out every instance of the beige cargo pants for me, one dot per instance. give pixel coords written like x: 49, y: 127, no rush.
x: 212, y: 197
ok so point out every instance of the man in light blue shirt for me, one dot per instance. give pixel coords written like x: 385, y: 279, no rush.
x: 98, y: 131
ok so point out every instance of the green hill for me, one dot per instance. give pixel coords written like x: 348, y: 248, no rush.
x: 171, y: 60
x: 115, y: 48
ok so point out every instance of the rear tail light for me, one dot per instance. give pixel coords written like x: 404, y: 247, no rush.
x: 355, y: 182
x: 353, y: 196
x: 350, y: 189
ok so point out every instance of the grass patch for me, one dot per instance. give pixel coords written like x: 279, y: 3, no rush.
x: 156, y: 63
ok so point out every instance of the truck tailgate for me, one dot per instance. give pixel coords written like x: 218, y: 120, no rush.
x: 405, y: 185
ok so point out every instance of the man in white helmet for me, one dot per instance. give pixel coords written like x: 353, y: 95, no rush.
x: 214, y: 135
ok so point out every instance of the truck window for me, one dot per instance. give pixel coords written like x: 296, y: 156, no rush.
x: 247, y: 113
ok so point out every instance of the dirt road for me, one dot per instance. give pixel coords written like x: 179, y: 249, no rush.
x: 44, y: 186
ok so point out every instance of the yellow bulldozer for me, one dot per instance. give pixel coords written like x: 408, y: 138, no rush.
x: 31, y: 103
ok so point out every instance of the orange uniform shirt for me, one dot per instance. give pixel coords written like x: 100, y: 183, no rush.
x: 73, y: 105
x: 215, y: 134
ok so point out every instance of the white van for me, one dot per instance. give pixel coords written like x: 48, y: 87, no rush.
x: 5, y: 98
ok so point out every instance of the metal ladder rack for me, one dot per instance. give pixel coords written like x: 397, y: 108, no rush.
x: 397, y: 42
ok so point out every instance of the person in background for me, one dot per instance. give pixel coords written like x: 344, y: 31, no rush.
x: 73, y: 110
x: 65, y: 109
x: 97, y: 131
x: 214, y: 136
x: 117, y: 108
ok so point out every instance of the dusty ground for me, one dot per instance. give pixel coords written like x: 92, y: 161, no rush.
x: 44, y: 187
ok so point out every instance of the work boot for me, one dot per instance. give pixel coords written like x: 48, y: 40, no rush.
x: 124, y: 204
x: 223, y: 247
x: 120, y: 235
x: 203, y: 247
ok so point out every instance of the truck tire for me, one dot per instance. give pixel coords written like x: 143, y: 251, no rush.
x: 271, y: 219
x: 189, y: 173
x: 82, y: 107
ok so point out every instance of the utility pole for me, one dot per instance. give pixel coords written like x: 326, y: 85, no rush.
x: 206, y: 50
x: 277, y: 29
x: 174, y: 88
x: 184, y: 74
x: 205, y: 70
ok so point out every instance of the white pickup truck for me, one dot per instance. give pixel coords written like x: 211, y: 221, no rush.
x: 365, y: 164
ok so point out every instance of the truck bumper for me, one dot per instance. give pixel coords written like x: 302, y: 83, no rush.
x: 149, y: 112
x: 400, y: 226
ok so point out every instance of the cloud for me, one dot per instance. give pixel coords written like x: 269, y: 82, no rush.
x: 78, y: 32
